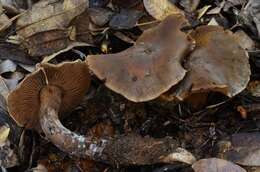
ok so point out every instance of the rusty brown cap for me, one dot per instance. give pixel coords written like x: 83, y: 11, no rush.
x: 218, y: 63
x: 24, y: 101
x: 71, y: 77
x: 149, y: 68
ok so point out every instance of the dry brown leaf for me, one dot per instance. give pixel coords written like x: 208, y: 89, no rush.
x: 252, y: 14
x: 49, y: 15
x: 7, y: 66
x: 100, y: 16
x: 241, y: 148
x: 160, y: 9
x: 202, y: 11
x: 149, y: 68
x: 71, y: 46
x: 45, y: 27
x: 8, y: 157
x: 254, y: 88
x: 4, y: 132
x: 218, y: 63
x: 13, y: 80
x: 82, y: 26
x: 189, y: 5
x: 46, y: 43
x: 14, y: 53
x: 4, y: 90
x: 5, y: 22
x: 216, y: 165
x: 127, y: 3
x: 125, y: 19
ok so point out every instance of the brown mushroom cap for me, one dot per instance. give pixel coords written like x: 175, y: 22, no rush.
x: 218, y: 63
x: 24, y: 102
x: 149, y: 68
x: 71, y: 77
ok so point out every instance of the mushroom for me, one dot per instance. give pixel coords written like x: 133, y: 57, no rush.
x: 150, y: 67
x: 217, y: 63
x: 55, y: 89
x: 70, y: 79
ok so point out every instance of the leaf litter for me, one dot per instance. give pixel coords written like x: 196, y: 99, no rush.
x: 165, y: 81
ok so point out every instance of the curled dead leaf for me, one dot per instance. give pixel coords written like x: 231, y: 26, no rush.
x: 49, y: 15
x: 241, y: 148
x: 254, y: 88
x: 160, y: 9
x: 5, y: 22
x: 46, y: 43
x: 216, y: 165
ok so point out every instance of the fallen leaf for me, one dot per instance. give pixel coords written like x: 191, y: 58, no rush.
x: 100, y: 16
x: 126, y: 3
x: 46, y: 43
x: 15, y: 54
x: 213, y: 22
x: 202, y: 11
x: 71, y: 46
x: 232, y: 3
x: 160, y: 9
x: 98, y: 3
x: 125, y: 19
x: 29, y: 68
x: 123, y: 37
x: 5, y: 22
x: 241, y: 148
x: 252, y: 13
x: 216, y: 165
x: 49, y: 15
x: 13, y: 80
x: 8, y: 157
x: 7, y: 66
x: 82, y: 26
x: 218, y: 63
x: 189, y: 5
x: 4, y: 132
x: 254, y: 88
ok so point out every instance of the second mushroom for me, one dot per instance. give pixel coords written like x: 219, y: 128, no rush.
x: 55, y: 89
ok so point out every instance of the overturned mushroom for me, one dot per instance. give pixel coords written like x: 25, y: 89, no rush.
x: 54, y: 89
x: 149, y: 68
x: 218, y: 63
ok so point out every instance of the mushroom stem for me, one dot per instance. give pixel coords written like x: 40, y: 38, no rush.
x: 122, y: 150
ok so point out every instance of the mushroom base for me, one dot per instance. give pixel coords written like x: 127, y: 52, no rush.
x: 122, y: 150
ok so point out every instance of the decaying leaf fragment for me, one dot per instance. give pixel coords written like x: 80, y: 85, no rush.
x: 216, y: 165
x: 241, y: 148
x: 48, y: 42
x: 252, y: 15
x: 218, y: 63
x: 149, y: 68
x: 14, y: 53
x: 44, y: 27
x: 49, y: 15
x: 160, y: 9
x: 254, y: 88
x: 5, y: 22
